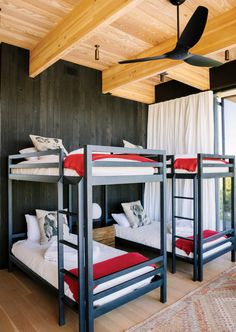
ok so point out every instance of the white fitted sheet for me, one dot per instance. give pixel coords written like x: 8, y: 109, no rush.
x: 32, y: 255
x: 149, y: 235
x: 96, y: 171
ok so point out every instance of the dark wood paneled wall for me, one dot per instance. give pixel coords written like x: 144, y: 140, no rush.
x: 65, y: 101
x: 223, y: 77
x: 172, y: 90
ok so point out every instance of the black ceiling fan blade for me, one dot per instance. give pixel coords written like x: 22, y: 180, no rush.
x: 194, y: 28
x: 202, y: 61
x: 157, y: 57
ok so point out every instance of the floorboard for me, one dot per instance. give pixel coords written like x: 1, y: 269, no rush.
x: 25, y: 306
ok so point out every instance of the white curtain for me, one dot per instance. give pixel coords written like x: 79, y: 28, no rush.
x: 182, y: 126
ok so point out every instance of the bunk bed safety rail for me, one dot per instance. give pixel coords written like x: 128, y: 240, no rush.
x: 158, y: 156
x: 13, y: 163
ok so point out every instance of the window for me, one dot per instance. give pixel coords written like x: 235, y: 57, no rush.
x: 225, y: 143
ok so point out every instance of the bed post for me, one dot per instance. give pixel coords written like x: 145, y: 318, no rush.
x: 70, y: 206
x: 105, y: 207
x: 195, y: 227
x: 80, y: 237
x: 10, y: 220
x: 88, y: 227
x: 163, y: 290
x: 141, y: 192
x: 173, y: 262
x: 61, y: 291
x: 233, y: 219
x: 200, y: 218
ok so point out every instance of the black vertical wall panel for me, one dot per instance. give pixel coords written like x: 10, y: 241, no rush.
x: 64, y: 101
x: 172, y: 90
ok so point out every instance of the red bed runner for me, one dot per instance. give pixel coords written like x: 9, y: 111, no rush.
x: 190, y: 164
x: 187, y: 245
x: 76, y: 161
x: 107, y: 267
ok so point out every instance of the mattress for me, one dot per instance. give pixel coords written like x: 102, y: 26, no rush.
x: 32, y: 255
x: 149, y: 235
x: 96, y: 171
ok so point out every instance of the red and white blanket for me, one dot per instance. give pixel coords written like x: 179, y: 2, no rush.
x: 187, y: 245
x: 107, y: 267
x: 76, y: 161
x: 190, y: 164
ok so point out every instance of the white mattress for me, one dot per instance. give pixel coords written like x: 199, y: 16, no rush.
x: 149, y: 235
x: 32, y: 255
x: 96, y: 171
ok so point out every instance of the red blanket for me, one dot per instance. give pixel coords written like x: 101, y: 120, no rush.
x: 76, y: 161
x: 190, y: 164
x: 107, y: 267
x: 187, y: 245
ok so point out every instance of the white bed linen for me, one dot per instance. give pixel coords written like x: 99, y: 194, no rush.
x: 32, y: 255
x: 96, y: 171
x: 149, y: 235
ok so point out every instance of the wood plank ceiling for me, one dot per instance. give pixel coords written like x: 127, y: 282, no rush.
x: 124, y: 30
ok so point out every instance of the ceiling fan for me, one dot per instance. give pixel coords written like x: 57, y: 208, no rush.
x: 188, y: 38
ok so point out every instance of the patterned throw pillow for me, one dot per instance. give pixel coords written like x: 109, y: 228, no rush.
x: 47, y: 221
x: 135, y: 214
x: 47, y: 143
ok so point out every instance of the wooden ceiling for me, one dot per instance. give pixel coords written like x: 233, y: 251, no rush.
x: 69, y: 29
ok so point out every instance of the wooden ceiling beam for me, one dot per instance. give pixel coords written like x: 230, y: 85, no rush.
x: 76, y: 26
x: 138, y: 91
x: 220, y: 33
x: 195, y: 76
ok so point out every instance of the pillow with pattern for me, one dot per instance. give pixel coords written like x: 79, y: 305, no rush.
x: 47, y: 221
x: 135, y: 214
x: 47, y: 143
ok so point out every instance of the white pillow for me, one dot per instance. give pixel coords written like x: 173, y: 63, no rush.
x: 29, y: 150
x: 47, y: 143
x: 131, y: 145
x: 81, y: 151
x: 121, y: 219
x: 33, y: 233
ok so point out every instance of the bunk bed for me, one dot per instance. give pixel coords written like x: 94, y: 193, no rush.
x: 204, y: 249
x: 205, y: 166
x: 143, y: 276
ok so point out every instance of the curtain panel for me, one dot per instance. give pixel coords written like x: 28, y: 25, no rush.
x: 182, y: 126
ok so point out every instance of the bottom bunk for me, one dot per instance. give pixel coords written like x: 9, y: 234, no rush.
x: 149, y: 236
x: 42, y: 260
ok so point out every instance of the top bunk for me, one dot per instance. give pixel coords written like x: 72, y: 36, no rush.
x: 101, y: 165
x: 200, y: 166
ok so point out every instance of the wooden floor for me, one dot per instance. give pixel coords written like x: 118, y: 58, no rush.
x: 26, y: 306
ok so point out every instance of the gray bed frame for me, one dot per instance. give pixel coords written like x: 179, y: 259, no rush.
x: 83, y: 219
x: 197, y: 179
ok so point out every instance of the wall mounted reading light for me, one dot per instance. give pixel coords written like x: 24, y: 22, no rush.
x: 97, y: 55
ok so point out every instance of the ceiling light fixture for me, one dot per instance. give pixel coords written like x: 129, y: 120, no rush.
x: 226, y: 55
x: 97, y: 55
x: 162, y: 77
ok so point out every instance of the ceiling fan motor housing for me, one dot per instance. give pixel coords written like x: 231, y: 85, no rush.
x: 177, y: 2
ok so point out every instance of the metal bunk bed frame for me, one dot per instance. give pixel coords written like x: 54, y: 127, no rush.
x: 83, y: 218
x: 198, y: 260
